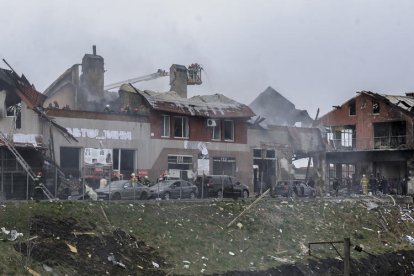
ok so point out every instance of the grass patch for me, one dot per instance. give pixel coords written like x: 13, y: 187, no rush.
x: 194, y: 237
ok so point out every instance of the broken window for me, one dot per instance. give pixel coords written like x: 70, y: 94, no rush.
x: 343, y: 137
x: 352, y: 108
x: 165, y: 126
x: 124, y: 161
x: 389, y: 135
x: 15, y: 111
x: 69, y: 161
x: 216, y: 131
x: 228, y: 130
x: 375, y: 107
x: 181, y: 127
x: 224, y: 166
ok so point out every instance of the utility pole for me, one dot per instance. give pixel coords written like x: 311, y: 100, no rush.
x: 347, y: 256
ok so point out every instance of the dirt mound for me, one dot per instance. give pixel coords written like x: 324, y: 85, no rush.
x: 83, y: 251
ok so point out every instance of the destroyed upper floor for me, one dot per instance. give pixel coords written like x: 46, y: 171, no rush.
x: 371, y: 121
x: 272, y: 108
x: 22, y: 117
x: 171, y: 114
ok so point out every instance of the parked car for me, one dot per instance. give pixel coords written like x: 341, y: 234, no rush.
x: 288, y: 188
x: 173, y: 189
x: 221, y: 185
x: 301, y: 188
x: 123, y: 189
x: 282, y: 188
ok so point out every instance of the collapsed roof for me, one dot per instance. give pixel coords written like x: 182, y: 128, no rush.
x: 277, y: 110
x: 404, y: 102
x: 19, y: 88
x: 213, y: 106
x: 26, y: 92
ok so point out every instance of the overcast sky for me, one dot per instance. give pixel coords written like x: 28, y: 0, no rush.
x: 316, y: 53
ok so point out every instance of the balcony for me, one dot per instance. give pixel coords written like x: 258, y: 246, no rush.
x: 361, y: 144
x: 389, y: 142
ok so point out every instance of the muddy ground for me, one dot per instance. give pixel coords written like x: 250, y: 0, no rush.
x: 396, y: 263
x: 81, y: 250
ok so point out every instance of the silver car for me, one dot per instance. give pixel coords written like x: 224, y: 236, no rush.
x: 173, y: 189
x: 123, y: 189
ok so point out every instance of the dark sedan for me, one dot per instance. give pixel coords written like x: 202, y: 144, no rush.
x: 173, y: 189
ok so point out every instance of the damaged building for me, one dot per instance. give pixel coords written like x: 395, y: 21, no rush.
x: 371, y: 134
x: 146, y: 132
x: 78, y: 129
x: 276, y: 140
x: 23, y: 125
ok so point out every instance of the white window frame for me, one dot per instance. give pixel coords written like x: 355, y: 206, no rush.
x: 165, y: 126
x: 185, y: 133
x: 232, y: 130
x: 216, y: 130
x: 346, y: 137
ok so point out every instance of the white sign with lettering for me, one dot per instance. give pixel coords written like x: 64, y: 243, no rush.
x: 100, y: 134
x: 97, y: 156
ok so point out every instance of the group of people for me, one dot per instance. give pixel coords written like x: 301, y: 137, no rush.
x: 381, y: 184
x: 141, y: 179
x: 372, y: 184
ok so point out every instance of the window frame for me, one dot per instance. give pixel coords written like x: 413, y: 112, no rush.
x: 164, y: 133
x: 232, y: 131
x: 213, y: 131
x: 185, y: 127
x: 352, y: 107
x: 376, y: 110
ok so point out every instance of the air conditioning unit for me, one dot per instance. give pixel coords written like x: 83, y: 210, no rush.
x: 211, y: 123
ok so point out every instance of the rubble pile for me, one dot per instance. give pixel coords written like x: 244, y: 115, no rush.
x: 85, y: 251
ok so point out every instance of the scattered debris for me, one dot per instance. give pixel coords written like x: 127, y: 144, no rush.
x: 282, y: 260
x: 11, y: 235
x: 369, y: 229
x: 97, y: 254
x: 371, y: 205
x: 408, y: 238
x: 155, y: 264
x: 112, y: 259
x: 32, y: 272
x: 72, y: 248
x: 47, y: 268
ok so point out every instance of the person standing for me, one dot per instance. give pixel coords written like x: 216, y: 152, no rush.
x: 319, y: 185
x: 133, y: 180
x: 403, y: 187
x: 348, y: 185
x: 384, y: 184
x: 335, y: 186
x: 311, y: 182
x: 38, y: 182
x: 364, y: 184
x: 373, y: 185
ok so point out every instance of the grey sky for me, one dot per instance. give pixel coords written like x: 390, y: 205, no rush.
x: 315, y: 53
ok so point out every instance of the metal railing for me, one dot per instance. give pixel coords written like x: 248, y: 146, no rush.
x: 374, y: 143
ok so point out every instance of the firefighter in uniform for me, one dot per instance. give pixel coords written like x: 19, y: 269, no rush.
x: 364, y: 184
x: 38, y: 182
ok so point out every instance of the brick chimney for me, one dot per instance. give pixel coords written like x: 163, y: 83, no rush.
x: 92, y: 78
x: 178, y: 79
